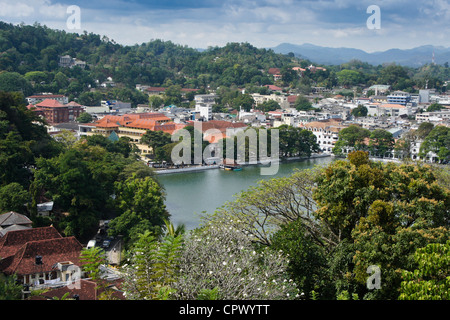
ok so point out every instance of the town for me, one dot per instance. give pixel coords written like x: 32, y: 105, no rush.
x: 377, y: 107
x: 83, y: 215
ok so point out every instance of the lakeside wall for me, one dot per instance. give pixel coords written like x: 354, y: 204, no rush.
x: 209, y: 167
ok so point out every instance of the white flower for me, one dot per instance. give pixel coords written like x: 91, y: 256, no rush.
x: 238, y: 269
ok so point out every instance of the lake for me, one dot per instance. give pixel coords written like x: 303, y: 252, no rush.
x: 189, y: 194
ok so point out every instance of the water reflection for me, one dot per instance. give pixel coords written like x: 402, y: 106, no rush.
x: 189, y: 194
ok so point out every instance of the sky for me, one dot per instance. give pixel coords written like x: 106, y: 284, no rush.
x: 400, y: 24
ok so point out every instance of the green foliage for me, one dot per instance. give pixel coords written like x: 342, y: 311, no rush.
x: 435, y: 107
x: 13, y: 197
x: 140, y: 205
x: 157, y: 140
x: 209, y: 294
x: 221, y: 261
x: 307, y: 260
x: 92, y: 259
x: 22, y: 139
x: 380, y: 142
x: 153, y: 267
x: 302, y: 103
x: 360, y: 111
x: 349, y: 77
x: 84, y: 118
x: 437, y: 141
x: 13, y: 81
x: 352, y: 137
x: 9, y: 288
x: 431, y: 279
x: 270, y: 105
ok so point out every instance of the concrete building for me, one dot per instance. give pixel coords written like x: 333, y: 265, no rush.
x: 399, y: 97
x: 204, y: 104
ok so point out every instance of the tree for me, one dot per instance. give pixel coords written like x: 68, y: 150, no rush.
x: 23, y: 138
x: 13, y: 81
x: 140, y: 202
x: 13, y: 197
x: 9, y: 288
x: 302, y: 104
x: 437, y: 141
x: 153, y: 267
x: 360, y: 111
x: 156, y: 139
x: 384, y: 212
x: 349, y: 77
x: 380, y: 142
x: 431, y: 279
x: 84, y: 118
x: 352, y: 137
x: 270, y: 105
x: 307, y: 260
x: 155, y: 102
x: 424, y: 129
x: 172, y: 95
x: 243, y: 100
x: 435, y: 107
x: 236, y: 270
x: 263, y: 208
x: 92, y: 259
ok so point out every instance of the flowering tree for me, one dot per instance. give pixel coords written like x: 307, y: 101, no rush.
x: 152, y: 267
x: 223, y: 260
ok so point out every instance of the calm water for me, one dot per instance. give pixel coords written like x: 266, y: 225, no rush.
x: 189, y: 194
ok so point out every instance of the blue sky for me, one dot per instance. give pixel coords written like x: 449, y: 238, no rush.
x: 267, y: 23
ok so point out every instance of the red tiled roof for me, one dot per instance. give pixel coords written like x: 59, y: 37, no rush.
x: 50, y: 103
x: 52, y: 251
x: 274, y: 70
x: 273, y: 88
x: 14, y: 240
x: 132, y: 120
x: 148, y: 124
x: 73, y: 104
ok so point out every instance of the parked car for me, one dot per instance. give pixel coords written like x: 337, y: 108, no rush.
x: 106, y: 243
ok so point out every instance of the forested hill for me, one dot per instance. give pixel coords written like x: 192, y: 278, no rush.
x: 25, y: 49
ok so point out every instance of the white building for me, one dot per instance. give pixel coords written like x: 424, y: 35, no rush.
x: 326, y: 132
x: 280, y: 99
x: 35, y: 99
x: 204, y: 104
x: 399, y: 97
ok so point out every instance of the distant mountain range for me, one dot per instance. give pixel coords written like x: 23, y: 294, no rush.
x: 415, y: 57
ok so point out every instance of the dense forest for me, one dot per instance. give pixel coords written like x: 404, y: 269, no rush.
x: 30, y: 55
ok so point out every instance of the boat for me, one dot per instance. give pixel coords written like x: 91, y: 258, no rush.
x: 230, y: 165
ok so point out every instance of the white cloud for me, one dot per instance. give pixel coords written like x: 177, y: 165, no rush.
x: 16, y: 10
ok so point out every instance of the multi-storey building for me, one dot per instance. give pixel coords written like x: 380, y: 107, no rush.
x: 326, y: 132
x: 399, y: 97
x: 133, y: 126
x: 55, y: 112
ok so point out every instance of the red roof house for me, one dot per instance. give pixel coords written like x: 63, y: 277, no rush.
x: 39, y: 254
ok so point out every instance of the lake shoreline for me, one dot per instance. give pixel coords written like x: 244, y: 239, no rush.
x: 210, y: 167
